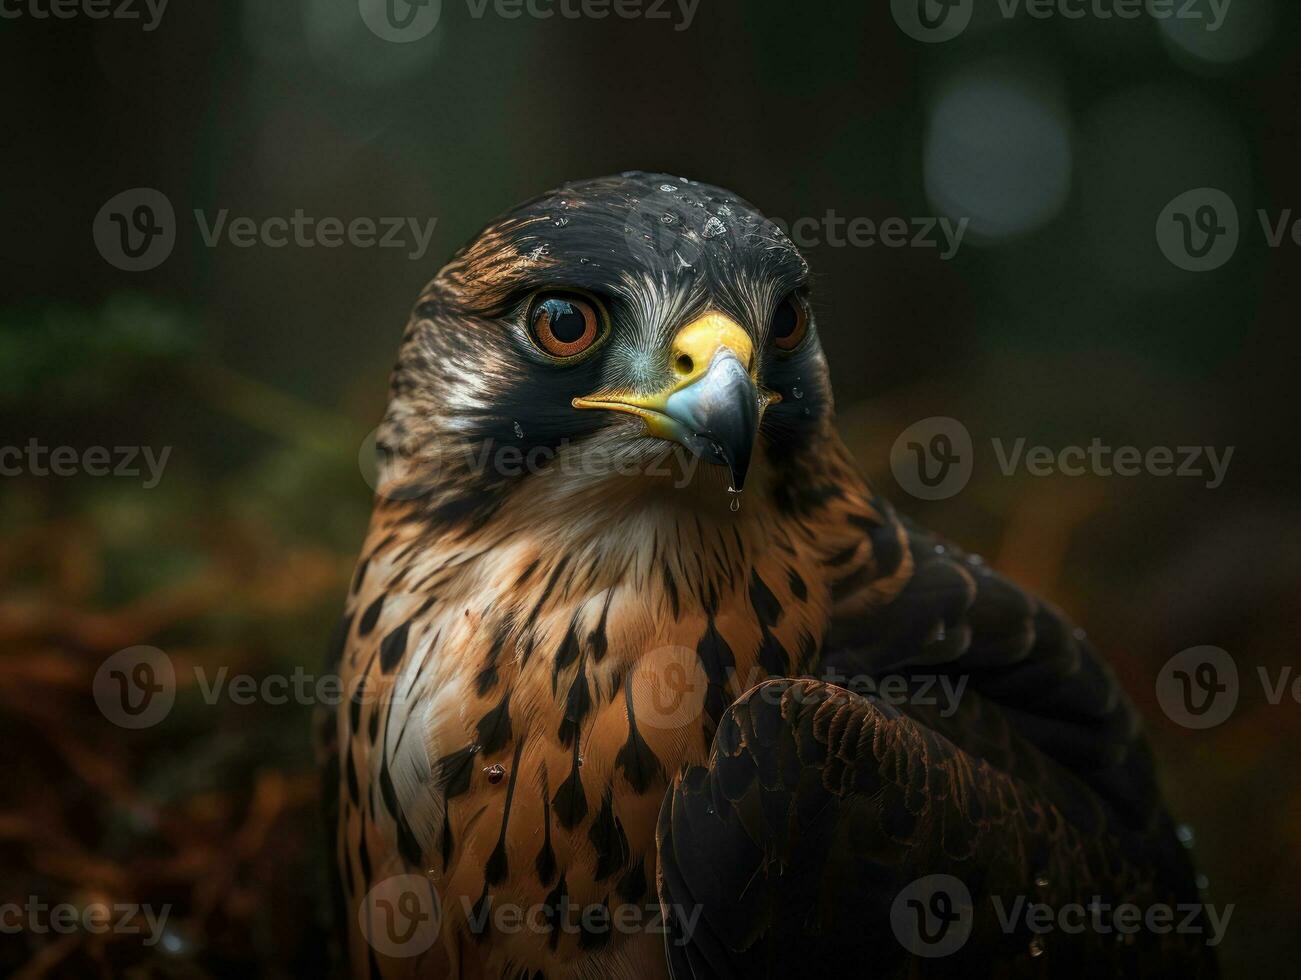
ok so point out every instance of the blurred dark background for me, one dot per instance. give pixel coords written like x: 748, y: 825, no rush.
x: 1059, y: 320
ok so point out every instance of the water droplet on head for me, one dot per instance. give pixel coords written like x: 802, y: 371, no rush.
x: 519, y: 431
x: 797, y: 392
x: 668, y: 188
x: 561, y: 221
x: 713, y: 227
x: 666, y: 218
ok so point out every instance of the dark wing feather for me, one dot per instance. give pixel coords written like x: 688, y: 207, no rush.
x: 819, y: 807
x: 785, y: 856
x: 958, y: 617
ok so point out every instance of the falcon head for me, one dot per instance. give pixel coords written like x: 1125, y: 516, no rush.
x: 615, y: 328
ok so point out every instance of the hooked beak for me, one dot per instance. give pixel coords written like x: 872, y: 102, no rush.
x: 713, y: 406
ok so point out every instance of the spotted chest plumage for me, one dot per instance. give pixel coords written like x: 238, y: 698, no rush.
x: 530, y: 658
x: 517, y: 710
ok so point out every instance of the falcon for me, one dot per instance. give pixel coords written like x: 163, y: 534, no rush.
x: 639, y: 673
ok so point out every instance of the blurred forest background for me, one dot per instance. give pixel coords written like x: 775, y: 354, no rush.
x: 264, y: 369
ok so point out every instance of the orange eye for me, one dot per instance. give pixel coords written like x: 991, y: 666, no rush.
x: 564, y: 325
x: 790, y: 323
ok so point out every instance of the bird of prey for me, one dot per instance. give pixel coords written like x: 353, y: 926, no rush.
x: 636, y: 666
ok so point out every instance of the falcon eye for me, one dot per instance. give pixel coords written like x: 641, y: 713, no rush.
x: 790, y: 323
x: 564, y: 325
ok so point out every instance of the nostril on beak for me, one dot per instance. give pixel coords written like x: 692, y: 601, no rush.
x: 684, y: 364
